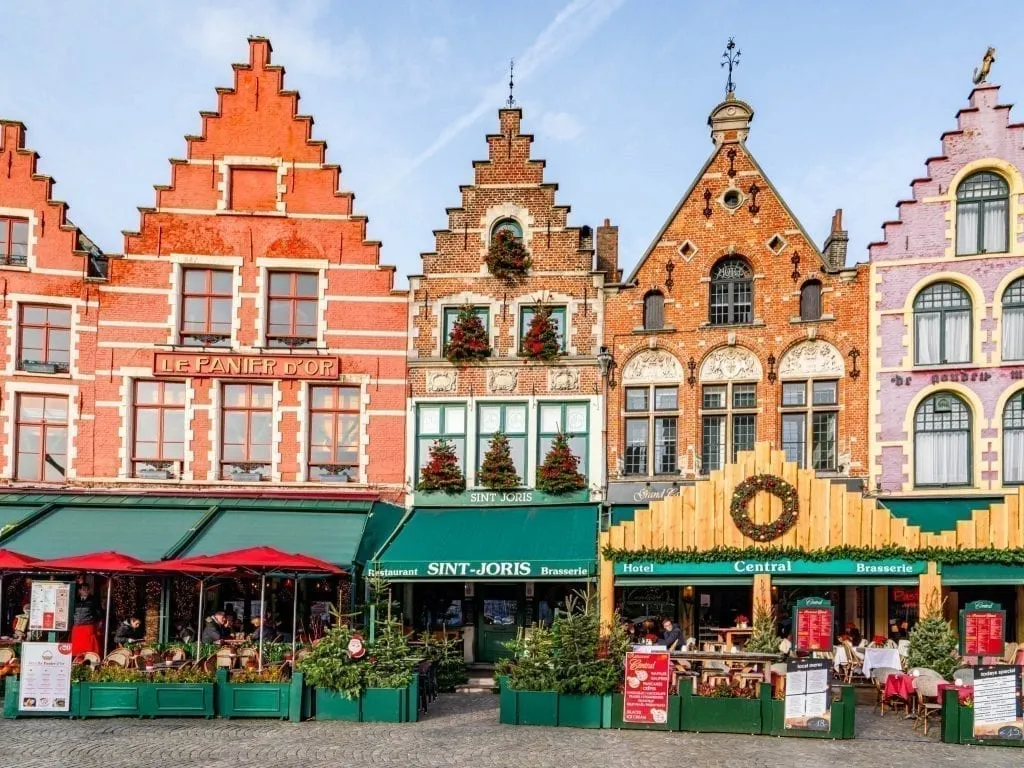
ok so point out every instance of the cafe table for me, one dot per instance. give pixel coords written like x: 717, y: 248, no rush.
x: 963, y: 692
x: 875, y: 658
x: 761, y: 662
x: 729, y: 635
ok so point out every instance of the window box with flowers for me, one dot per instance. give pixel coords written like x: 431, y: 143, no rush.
x: 543, y: 332
x: 467, y: 341
x: 507, y: 257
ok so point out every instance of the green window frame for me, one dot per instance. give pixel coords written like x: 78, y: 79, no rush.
x: 573, y: 418
x: 511, y: 418
x: 440, y: 421
x: 450, y: 313
x: 558, y: 315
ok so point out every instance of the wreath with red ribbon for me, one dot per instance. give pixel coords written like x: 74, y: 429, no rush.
x: 747, y: 490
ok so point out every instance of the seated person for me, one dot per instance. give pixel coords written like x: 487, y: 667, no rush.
x: 214, y: 629
x: 671, y: 637
x: 129, y: 631
x: 262, y: 630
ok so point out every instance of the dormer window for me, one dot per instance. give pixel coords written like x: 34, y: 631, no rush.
x: 13, y: 241
x: 513, y: 227
x: 982, y: 214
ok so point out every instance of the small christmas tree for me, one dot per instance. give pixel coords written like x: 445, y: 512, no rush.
x: 468, y: 340
x: 390, y: 663
x: 560, y: 471
x: 933, y: 645
x: 507, y: 258
x: 498, y: 471
x: 763, y: 638
x: 541, y: 339
x: 442, y: 471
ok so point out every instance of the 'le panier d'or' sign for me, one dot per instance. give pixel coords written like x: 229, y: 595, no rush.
x: 893, y: 568
x: 245, y: 366
x: 484, y: 569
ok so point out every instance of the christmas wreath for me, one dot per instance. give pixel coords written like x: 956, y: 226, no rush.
x: 747, y: 490
x: 507, y: 257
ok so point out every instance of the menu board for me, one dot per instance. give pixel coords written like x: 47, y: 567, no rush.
x: 997, y: 709
x: 808, y: 699
x: 45, y: 684
x: 645, y: 694
x: 982, y: 629
x: 813, y: 620
x: 50, y: 606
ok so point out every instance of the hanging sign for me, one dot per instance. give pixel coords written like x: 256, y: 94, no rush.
x: 982, y: 629
x: 645, y: 694
x: 50, y: 606
x: 45, y: 684
x: 808, y: 703
x: 813, y: 621
x: 997, y: 707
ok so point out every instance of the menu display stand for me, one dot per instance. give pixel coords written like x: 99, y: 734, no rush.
x: 982, y: 629
x: 812, y: 624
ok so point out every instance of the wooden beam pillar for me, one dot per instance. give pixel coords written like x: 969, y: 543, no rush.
x: 880, y: 620
x: 929, y: 597
x: 605, y: 584
x: 762, y: 593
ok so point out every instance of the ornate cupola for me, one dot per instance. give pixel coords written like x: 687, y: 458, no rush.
x: 730, y: 120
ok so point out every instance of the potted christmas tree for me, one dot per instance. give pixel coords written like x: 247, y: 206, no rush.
x: 933, y: 645
x: 559, y: 473
x: 468, y: 341
x: 441, y: 473
x: 507, y: 258
x: 498, y: 471
x: 540, y: 342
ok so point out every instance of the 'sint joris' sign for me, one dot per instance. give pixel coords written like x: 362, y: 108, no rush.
x: 245, y: 366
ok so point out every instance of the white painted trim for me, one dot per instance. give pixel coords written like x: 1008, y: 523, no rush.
x: 15, y: 388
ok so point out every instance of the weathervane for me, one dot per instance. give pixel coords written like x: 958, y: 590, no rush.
x: 511, y: 82
x: 981, y: 73
x: 731, y: 60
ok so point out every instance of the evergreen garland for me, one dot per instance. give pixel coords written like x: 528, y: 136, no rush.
x: 507, y: 258
x: 541, y: 339
x: 442, y: 471
x: 468, y: 341
x: 559, y: 473
x: 498, y: 471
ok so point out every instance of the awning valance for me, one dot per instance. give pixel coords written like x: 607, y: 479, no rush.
x: 982, y: 573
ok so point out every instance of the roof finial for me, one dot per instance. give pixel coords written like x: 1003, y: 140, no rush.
x: 511, y: 82
x: 731, y: 60
x: 981, y: 73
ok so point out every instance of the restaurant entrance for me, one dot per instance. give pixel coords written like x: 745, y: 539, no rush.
x: 500, y: 612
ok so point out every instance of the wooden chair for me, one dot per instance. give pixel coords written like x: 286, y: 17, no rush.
x: 854, y: 663
x: 965, y: 675
x: 91, y: 658
x: 927, y: 701
x: 919, y: 672
x: 879, y: 676
x: 1010, y: 653
x: 175, y: 654
x: 119, y: 658
x: 225, y: 657
x: 248, y: 657
x: 7, y: 655
x: 715, y: 673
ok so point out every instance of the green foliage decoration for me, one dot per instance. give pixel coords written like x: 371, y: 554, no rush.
x: 498, y: 470
x: 449, y: 660
x: 329, y: 666
x: 933, y: 645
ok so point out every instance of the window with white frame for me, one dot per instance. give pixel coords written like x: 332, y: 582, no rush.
x: 44, y: 338
x: 13, y: 241
x: 1013, y: 439
x: 942, y: 325
x: 292, y: 301
x: 810, y: 414
x: 1013, y: 321
x: 41, y: 438
x: 437, y: 422
x: 942, y: 441
x: 652, y: 426
x: 158, y: 437
x: 510, y: 419
x: 247, y: 414
x: 982, y: 214
x: 728, y: 423
x: 334, y: 433
x: 572, y: 420
x: 206, y: 307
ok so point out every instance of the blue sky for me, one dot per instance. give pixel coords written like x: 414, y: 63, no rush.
x: 849, y: 100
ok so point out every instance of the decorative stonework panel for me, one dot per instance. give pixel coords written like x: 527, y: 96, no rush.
x: 653, y: 365
x: 502, y: 380
x: 731, y: 364
x: 442, y: 381
x: 811, y: 358
x: 563, y: 379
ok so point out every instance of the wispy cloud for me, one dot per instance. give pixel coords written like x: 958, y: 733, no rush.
x: 560, y: 126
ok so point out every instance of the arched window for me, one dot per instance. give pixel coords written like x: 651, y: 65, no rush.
x: 810, y: 300
x: 942, y: 441
x: 982, y: 214
x: 732, y: 292
x: 654, y: 311
x: 942, y: 325
x: 1013, y: 439
x: 507, y: 225
x: 1013, y: 321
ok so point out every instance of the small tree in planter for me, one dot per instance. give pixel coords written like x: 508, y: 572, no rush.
x: 468, y: 341
x: 507, y: 258
x: 559, y: 473
x: 449, y: 660
x: 933, y: 645
x: 498, y: 471
x: 764, y: 638
x: 584, y: 663
x: 330, y: 666
x: 540, y: 342
x: 441, y: 472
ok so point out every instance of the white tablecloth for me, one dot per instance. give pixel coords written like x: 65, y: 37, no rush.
x: 838, y: 656
x: 881, y: 657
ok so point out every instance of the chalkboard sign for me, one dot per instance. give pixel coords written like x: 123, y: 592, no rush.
x: 982, y: 629
x: 812, y: 625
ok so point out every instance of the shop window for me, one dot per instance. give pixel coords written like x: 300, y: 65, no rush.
x: 334, y: 433
x: 292, y: 301
x: 654, y: 311
x: 809, y: 423
x: 13, y: 241
x: 440, y: 422
x: 42, y: 438
x: 247, y: 414
x: 510, y: 419
x: 572, y: 419
x: 982, y: 214
x: 206, y: 312
x: 652, y: 421
x: 1013, y: 321
x: 732, y: 293
x: 810, y: 300
x: 728, y: 423
x: 158, y: 432
x: 942, y: 441
x: 942, y: 325
x: 526, y: 315
x: 44, y: 339
x: 1013, y: 439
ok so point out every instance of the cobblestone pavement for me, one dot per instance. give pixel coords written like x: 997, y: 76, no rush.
x: 460, y: 730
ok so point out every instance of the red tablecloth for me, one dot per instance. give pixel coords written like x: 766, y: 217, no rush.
x: 900, y: 686
x: 964, y: 692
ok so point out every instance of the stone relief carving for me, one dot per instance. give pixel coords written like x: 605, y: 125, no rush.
x: 653, y: 365
x: 811, y: 358
x: 502, y: 380
x: 730, y: 364
x: 563, y: 379
x: 442, y: 381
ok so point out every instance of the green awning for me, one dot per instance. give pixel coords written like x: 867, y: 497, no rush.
x: 493, y: 544
x: 937, y: 513
x: 981, y: 573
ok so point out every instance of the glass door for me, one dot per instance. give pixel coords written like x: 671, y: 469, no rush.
x: 498, y: 617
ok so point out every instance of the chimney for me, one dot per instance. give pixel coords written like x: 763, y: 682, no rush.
x: 608, y: 252
x: 834, y: 251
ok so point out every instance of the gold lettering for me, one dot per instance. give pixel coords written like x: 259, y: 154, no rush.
x: 329, y: 369
x: 201, y: 364
x: 291, y: 368
x: 269, y: 366
x: 182, y: 365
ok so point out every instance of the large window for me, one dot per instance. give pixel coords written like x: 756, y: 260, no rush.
x: 292, y: 299
x: 572, y: 419
x: 159, y: 430
x: 1013, y: 321
x: 334, y: 433
x: 652, y: 424
x: 42, y: 438
x: 1013, y: 439
x: 809, y: 416
x: 248, y: 416
x: 451, y: 314
x: 440, y: 422
x: 13, y: 241
x: 942, y: 325
x: 810, y: 300
x: 206, y: 313
x: 510, y: 419
x: 526, y: 315
x: 654, y: 311
x: 44, y: 339
x: 728, y: 423
x: 942, y: 441
x: 732, y: 293
x: 982, y: 214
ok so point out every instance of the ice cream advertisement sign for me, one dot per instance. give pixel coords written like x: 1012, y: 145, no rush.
x: 645, y: 693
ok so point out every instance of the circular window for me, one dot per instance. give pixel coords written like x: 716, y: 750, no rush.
x: 731, y: 199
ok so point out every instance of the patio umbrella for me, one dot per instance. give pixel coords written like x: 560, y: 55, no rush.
x: 106, y: 564
x: 11, y: 561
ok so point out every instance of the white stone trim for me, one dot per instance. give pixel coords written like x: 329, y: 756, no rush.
x: 506, y: 210
x: 277, y: 417
x: 225, y: 165
x: 70, y: 391
x: 18, y: 300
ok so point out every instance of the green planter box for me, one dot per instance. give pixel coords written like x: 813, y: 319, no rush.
x: 842, y: 722
x: 110, y: 700
x: 282, y: 701
x: 177, y: 699
x: 536, y: 707
x: 11, y: 694
x: 331, y: 705
x: 412, y: 707
x: 706, y: 714
x: 386, y: 705
x: 671, y: 725
x: 958, y: 725
x: 508, y: 703
x: 583, y: 711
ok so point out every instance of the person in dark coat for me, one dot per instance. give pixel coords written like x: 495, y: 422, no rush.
x: 261, y: 629
x: 129, y: 631
x: 671, y: 637
x: 214, y: 630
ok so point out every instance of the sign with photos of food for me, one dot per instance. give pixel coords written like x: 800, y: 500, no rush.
x: 645, y: 694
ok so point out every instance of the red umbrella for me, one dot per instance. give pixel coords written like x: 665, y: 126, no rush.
x: 12, y: 561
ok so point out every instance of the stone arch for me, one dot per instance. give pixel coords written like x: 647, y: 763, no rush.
x: 731, y: 364
x: 810, y: 359
x: 652, y: 365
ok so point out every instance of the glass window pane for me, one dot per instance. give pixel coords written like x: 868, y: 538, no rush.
x: 194, y: 314
x: 281, y: 283
x: 576, y: 419
x: 262, y: 396
x: 713, y: 397
x: 147, y: 423
x: 636, y: 447
x: 744, y: 396
x: 515, y: 419
x: 30, y: 408
x: 305, y: 313
x: 195, y: 280
x: 490, y: 419
x: 349, y: 397
x: 823, y: 441
x: 455, y: 420
x: 636, y: 398
x: 56, y: 441
x: 307, y: 285
x: 794, y: 393
x: 743, y: 433
x: 30, y: 439
x: 56, y: 409
x: 221, y: 282
x: 665, y: 398
x: 147, y: 392
x: 794, y: 437
x: 712, y: 443
x: 826, y: 392
x: 34, y: 315
x: 518, y: 451
x: 550, y: 419
x: 174, y: 425
x: 59, y: 317
x: 665, y: 452
x: 430, y: 420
